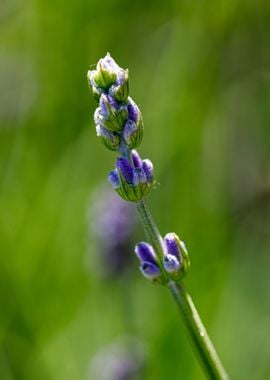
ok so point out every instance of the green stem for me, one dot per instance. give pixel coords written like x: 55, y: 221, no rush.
x: 201, y: 341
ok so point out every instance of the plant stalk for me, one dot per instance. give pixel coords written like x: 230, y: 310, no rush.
x: 203, y: 346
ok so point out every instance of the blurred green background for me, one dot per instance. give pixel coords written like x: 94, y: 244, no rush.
x: 200, y: 71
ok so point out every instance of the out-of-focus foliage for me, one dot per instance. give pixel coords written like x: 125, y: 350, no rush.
x: 200, y: 71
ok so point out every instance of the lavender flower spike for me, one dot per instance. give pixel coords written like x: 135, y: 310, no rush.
x: 167, y: 260
x: 130, y: 180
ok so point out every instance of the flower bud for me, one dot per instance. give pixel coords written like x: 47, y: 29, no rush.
x: 126, y: 170
x: 133, y: 134
x: 145, y: 252
x: 172, y: 266
x: 176, y: 261
x: 151, y: 271
x: 133, y: 182
x: 134, y: 112
x: 136, y: 159
x: 105, y: 74
x: 133, y: 130
x: 149, y: 264
x: 110, y: 139
x: 148, y: 168
x: 110, y: 114
x: 114, y: 179
x: 120, y: 89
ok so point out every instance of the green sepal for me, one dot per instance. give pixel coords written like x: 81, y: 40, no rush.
x: 103, y: 78
x: 116, y: 118
x: 120, y: 92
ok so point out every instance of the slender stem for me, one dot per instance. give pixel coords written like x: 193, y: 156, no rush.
x: 151, y: 229
x: 201, y: 341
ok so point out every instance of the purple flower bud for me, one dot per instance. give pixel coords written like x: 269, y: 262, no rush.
x: 103, y: 105
x: 114, y: 179
x: 105, y: 74
x: 129, y: 130
x: 125, y: 168
x: 133, y: 134
x: 145, y: 252
x: 107, y: 103
x: 150, y: 270
x: 172, y: 245
x: 113, y: 103
x: 171, y: 263
x: 148, y: 168
x: 133, y: 111
x: 110, y: 114
x: 140, y: 174
x: 120, y: 89
x: 137, y: 161
x: 110, y: 139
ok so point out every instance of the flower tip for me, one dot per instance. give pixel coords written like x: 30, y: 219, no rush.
x: 171, y: 263
x: 150, y: 271
x: 172, y: 243
x: 114, y: 179
x: 145, y: 252
x: 126, y: 170
x: 137, y: 161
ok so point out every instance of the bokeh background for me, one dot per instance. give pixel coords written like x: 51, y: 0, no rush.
x: 200, y: 71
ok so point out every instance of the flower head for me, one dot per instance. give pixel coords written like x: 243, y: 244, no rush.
x: 117, y: 113
x: 132, y: 180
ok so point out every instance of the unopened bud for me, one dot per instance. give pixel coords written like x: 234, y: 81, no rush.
x: 110, y: 139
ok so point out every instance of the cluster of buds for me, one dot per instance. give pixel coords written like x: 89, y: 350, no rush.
x: 132, y: 179
x: 119, y: 124
x: 118, y: 119
x: 173, y: 265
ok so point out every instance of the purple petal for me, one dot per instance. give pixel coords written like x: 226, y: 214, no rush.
x: 150, y: 270
x: 148, y: 168
x: 126, y: 169
x: 136, y: 159
x: 171, y: 263
x: 114, y: 179
x: 129, y: 129
x: 133, y: 111
x: 145, y: 252
x: 112, y: 102
x: 141, y: 175
x: 172, y: 246
x: 103, y: 105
